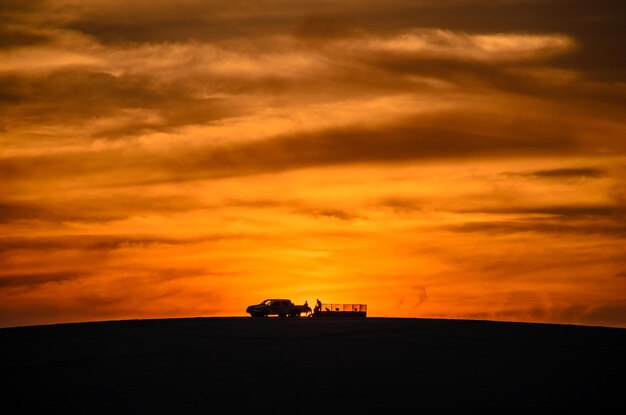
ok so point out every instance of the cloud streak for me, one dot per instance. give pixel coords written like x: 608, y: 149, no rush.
x: 564, y: 173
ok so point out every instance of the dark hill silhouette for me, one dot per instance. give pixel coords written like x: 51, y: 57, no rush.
x: 200, y: 365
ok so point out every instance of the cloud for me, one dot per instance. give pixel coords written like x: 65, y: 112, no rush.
x: 35, y: 279
x: 563, y: 173
x: 156, y: 67
x: 564, y: 211
x: 611, y: 229
x: 437, y: 44
x: 105, y: 208
x: 14, y: 9
x: 401, y: 202
x: 421, y: 294
x: 418, y: 138
x: 600, y: 32
x: 440, y: 136
x: 20, y: 211
x: 331, y: 213
x: 13, y: 38
x: 101, y: 242
x: 70, y: 95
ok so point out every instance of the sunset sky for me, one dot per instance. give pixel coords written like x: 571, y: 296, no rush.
x: 439, y: 159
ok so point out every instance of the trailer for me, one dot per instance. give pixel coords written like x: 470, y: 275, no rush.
x: 341, y: 310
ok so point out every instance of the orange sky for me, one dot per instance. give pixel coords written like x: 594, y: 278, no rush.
x: 454, y: 159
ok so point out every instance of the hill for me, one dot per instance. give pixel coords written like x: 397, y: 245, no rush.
x: 308, y: 365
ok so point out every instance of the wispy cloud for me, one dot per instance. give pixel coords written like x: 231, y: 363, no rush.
x: 35, y: 279
x: 563, y: 173
x: 543, y: 226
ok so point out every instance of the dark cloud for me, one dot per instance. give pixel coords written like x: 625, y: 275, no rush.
x: 566, y: 211
x: 143, y: 100
x: 11, y: 38
x: 401, y: 204
x: 14, y: 9
x: 564, y: 173
x: 258, y: 203
x: 319, y: 27
x: 599, y: 30
x: 331, y: 213
x: 115, y: 207
x: 136, y: 276
x: 35, y: 279
x: 88, y: 94
x: 163, y: 21
x: 448, y: 135
x: 106, y: 208
x: 419, y: 138
x: 102, y: 242
x: 169, y: 274
x: 83, y: 94
x: 537, y: 77
x: 613, y: 229
x: 17, y: 211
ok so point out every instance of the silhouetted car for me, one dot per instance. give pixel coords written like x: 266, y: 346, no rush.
x: 277, y: 306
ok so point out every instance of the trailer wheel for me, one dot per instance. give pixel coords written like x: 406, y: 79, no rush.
x: 295, y: 314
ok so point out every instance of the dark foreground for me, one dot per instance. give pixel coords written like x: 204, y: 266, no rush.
x: 330, y: 366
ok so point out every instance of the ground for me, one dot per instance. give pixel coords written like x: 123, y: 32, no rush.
x: 307, y: 365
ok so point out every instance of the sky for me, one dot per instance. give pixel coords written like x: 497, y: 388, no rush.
x: 433, y: 159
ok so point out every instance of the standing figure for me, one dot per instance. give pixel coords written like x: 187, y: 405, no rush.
x: 318, y: 306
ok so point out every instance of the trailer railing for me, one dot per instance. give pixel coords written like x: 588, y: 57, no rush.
x: 341, y: 310
x: 344, y: 307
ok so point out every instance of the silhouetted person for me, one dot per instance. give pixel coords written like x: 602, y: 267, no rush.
x: 318, y: 305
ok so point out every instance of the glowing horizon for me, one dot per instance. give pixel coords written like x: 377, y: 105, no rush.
x: 188, y: 158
